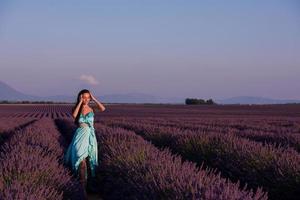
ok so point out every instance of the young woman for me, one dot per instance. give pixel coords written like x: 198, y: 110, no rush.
x: 82, y: 153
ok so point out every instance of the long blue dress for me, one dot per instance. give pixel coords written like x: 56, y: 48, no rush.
x: 83, y: 144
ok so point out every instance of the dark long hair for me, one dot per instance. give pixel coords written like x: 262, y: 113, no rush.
x: 80, y: 109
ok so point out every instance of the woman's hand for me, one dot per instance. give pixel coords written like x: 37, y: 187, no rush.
x: 81, y: 98
x: 92, y: 97
x: 100, y: 106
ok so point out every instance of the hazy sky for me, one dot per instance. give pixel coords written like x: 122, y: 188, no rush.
x: 172, y: 48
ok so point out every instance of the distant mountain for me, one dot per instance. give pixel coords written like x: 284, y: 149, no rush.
x: 254, y: 100
x: 11, y: 94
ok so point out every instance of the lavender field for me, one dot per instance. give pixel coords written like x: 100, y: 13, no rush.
x: 155, y: 152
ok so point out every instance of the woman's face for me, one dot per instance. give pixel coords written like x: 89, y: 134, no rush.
x: 86, y: 98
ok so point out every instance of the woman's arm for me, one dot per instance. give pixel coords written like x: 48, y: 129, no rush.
x: 100, y: 105
x: 75, y: 112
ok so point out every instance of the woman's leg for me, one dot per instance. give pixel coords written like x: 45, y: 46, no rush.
x: 88, y: 167
x: 82, y: 172
x: 92, y: 184
x: 83, y: 167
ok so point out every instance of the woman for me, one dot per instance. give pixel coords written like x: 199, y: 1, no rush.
x: 82, y: 153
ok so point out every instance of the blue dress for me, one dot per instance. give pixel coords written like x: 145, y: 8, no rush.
x: 83, y: 144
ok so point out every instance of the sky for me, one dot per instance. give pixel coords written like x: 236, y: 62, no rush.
x: 176, y: 48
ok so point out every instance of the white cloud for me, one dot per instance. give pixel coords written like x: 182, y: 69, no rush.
x: 89, y: 79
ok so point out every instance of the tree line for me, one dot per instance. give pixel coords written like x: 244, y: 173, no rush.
x: 193, y: 101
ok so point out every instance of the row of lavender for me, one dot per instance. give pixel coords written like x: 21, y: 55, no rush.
x: 132, y: 168
x: 38, y: 115
x: 272, y: 124
x: 278, y: 133
x: 276, y: 169
x: 138, y: 170
x: 7, y: 127
x: 31, y: 165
